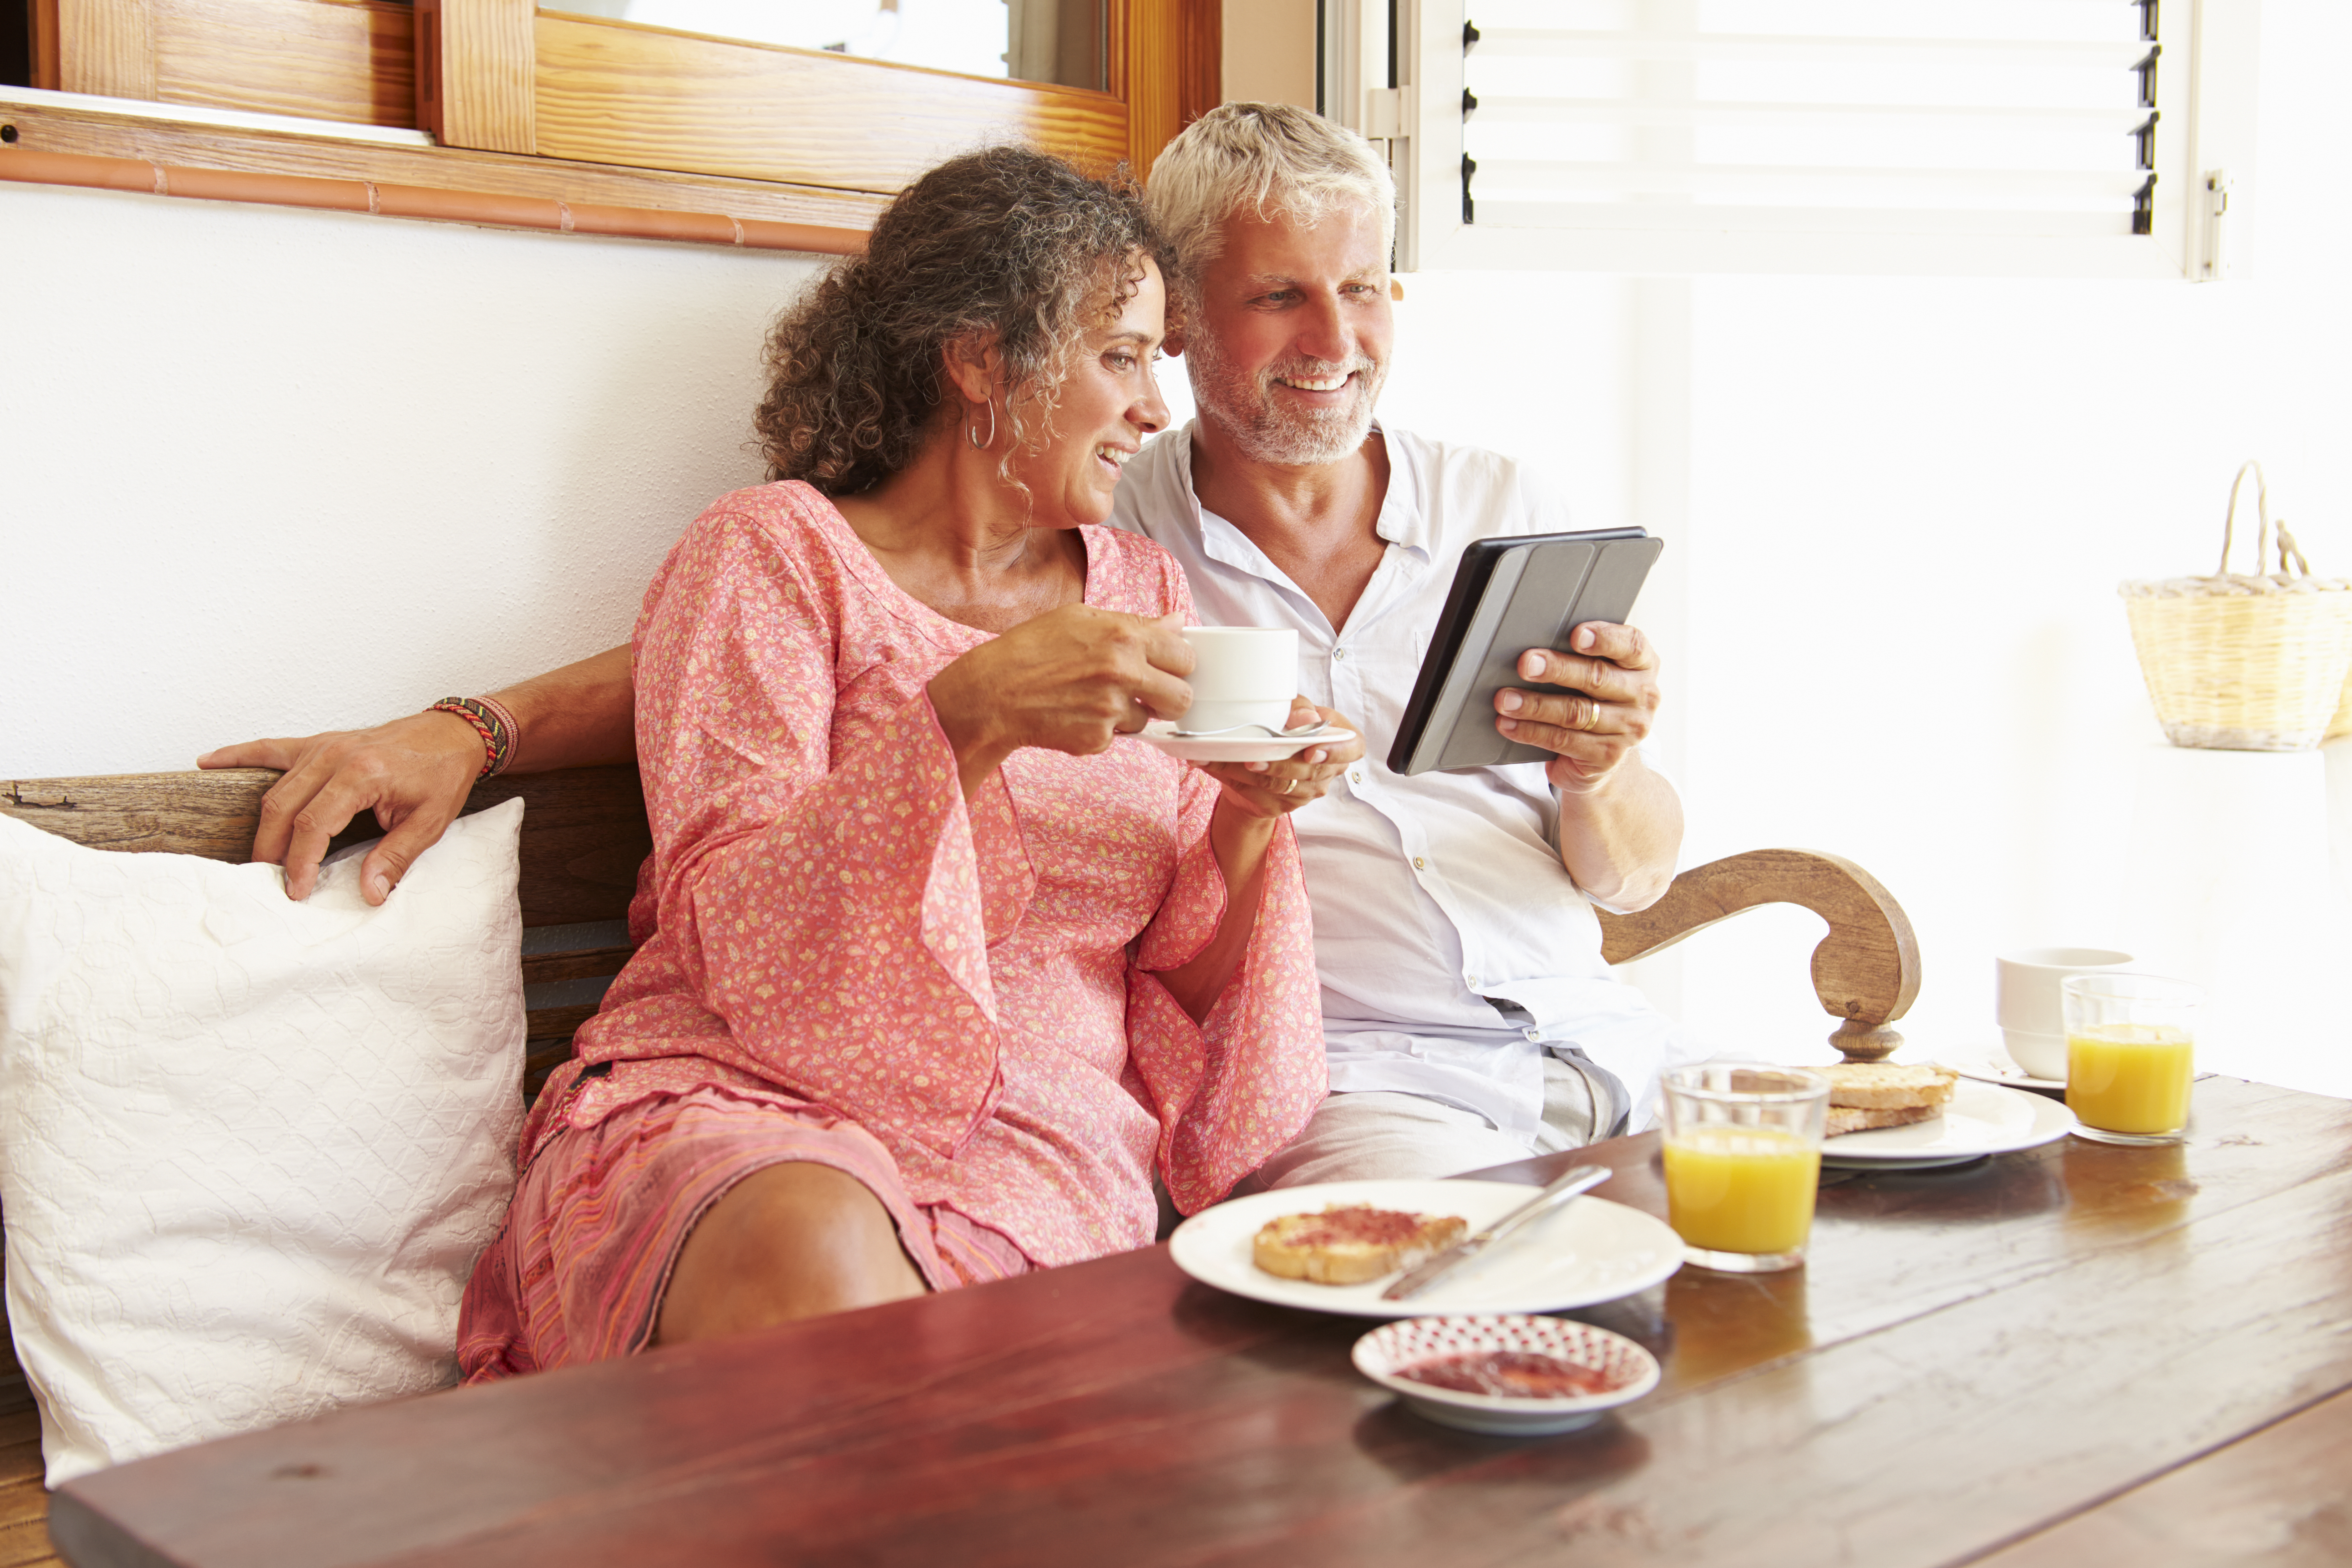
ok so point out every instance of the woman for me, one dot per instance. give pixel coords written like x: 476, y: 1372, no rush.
x: 938, y: 972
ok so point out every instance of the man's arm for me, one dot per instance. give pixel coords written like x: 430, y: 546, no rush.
x: 416, y: 772
x: 1621, y: 826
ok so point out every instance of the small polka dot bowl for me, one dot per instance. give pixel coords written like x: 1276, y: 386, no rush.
x: 1508, y: 1375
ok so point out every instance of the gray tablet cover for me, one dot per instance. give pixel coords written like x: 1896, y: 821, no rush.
x: 1537, y: 594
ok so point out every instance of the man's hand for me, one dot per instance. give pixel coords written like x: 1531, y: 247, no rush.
x: 1608, y: 706
x: 415, y: 772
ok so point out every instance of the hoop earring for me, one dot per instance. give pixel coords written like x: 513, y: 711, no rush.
x: 971, y: 432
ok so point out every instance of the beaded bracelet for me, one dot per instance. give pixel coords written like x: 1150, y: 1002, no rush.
x: 490, y: 720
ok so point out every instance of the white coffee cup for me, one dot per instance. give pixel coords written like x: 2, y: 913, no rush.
x: 1240, y: 675
x: 2033, y: 1024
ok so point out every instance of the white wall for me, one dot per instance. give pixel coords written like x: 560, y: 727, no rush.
x: 1912, y: 502
x: 265, y: 470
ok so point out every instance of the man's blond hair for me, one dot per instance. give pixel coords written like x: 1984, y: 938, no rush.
x: 1270, y: 159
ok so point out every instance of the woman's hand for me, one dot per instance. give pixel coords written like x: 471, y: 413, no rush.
x: 1272, y: 789
x: 1071, y: 680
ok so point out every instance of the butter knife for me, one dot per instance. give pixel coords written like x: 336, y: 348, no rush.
x: 1578, y: 1180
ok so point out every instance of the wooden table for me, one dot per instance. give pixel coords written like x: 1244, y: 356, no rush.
x: 2080, y: 1353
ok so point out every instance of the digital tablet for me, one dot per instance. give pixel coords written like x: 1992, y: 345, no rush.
x: 1509, y: 595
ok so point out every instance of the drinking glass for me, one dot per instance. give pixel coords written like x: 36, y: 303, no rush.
x: 2130, y: 1044
x: 1743, y: 1155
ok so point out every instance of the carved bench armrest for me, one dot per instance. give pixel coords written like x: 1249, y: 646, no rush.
x: 1867, y: 971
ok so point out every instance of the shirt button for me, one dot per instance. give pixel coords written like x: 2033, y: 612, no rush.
x: 1338, y: 653
x: 1417, y: 865
x: 1355, y: 778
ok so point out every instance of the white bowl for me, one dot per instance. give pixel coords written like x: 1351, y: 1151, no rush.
x: 1390, y: 1348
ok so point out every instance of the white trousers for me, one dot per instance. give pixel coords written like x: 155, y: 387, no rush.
x: 1383, y: 1133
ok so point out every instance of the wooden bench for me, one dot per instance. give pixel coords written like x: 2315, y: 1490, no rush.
x: 584, y: 836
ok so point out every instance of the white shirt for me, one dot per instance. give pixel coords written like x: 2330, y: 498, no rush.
x: 1432, y: 893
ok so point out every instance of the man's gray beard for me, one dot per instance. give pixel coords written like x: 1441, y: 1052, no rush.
x: 1242, y: 406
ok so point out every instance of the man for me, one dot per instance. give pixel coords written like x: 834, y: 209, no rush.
x: 1469, y: 1017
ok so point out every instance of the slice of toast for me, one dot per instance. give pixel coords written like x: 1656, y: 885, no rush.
x: 1348, y: 1245
x: 1844, y: 1119
x: 1889, y: 1086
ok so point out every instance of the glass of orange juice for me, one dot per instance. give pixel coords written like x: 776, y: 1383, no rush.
x: 1743, y: 1154
x: 2129, y: 1056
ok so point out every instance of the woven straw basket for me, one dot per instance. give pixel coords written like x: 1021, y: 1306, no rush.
x: 2259, y: 663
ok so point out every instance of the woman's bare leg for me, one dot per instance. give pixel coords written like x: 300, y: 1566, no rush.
x: 794, y: 1240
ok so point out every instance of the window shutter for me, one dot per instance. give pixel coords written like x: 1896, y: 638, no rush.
x: 2054, y: 137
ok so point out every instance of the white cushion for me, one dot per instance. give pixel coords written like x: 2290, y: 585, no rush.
x: 249, y: 1149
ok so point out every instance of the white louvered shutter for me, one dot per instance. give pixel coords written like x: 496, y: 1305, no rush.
x: 2053, y: 137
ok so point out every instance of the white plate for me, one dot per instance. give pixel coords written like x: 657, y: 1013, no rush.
x: 1390, y: 1348
x: 1592, y: 1250
x: 1981, y: 1119
x: 1991, y: 1064
x: 1163, y: 737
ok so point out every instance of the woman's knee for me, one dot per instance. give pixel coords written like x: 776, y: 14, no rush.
x: 795, y: 1240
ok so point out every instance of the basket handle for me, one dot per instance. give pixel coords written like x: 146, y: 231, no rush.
x: 2288, y: 549
x: 2262, y: 509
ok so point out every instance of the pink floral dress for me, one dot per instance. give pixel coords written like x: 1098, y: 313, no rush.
x: 826, y: 925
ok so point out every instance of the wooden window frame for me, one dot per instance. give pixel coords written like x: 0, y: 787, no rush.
x: 547, y: 117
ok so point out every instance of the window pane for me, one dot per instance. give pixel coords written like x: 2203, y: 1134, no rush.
x: 1034, y: 40
x: 16, y: 43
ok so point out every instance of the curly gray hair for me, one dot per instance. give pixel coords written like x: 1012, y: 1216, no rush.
x: 1005, y: 241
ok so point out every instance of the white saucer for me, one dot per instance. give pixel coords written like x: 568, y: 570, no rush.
x: 1981, y: 1119
x: 1991, y: 1064
x: 1164, y: 736
x: 1592, y: 1250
